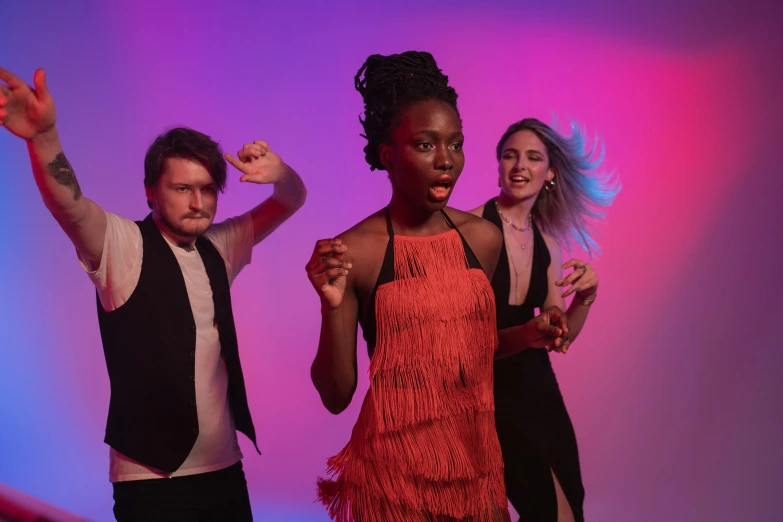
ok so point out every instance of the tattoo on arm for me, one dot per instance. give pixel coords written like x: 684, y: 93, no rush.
x: 62, y: 172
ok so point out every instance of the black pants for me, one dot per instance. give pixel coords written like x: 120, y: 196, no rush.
x: 215, y: 496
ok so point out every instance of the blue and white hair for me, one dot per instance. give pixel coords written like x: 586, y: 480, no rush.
x: 582, y: 191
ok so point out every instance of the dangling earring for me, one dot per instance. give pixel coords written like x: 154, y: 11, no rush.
x: 549, y: 185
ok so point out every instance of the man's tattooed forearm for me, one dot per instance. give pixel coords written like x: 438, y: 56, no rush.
x: 62, y: 172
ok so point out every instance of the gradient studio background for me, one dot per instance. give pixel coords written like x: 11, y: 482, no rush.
x: 674, y: 385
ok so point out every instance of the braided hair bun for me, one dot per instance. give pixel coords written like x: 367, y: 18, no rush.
x: 389, y: 83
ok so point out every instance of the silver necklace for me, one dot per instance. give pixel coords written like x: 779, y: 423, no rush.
x: 517, y: 271
x: 522, y: 247
x: 511, y: 223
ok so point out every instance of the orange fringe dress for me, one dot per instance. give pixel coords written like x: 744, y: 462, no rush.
x: 424, y: 447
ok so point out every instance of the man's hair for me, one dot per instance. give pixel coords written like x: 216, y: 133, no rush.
x: 185, y: 143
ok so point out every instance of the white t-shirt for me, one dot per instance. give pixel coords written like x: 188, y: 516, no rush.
x: 116, y: 278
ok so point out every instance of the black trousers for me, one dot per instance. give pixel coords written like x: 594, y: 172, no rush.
x: 215, y: 496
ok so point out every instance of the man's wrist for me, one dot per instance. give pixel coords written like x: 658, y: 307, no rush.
x: 46, y: 137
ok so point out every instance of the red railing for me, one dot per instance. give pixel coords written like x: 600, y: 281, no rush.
x: 16, y: 506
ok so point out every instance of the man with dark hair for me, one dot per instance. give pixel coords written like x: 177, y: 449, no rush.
x: 164, y: 308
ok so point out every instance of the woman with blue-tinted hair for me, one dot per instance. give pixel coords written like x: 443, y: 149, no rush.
x: 549, y: 188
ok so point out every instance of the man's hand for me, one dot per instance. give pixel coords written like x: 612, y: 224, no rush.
x: 26, y: 112
x: 258, y: 164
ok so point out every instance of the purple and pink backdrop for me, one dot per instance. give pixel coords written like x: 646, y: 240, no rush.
x: 673, y: 386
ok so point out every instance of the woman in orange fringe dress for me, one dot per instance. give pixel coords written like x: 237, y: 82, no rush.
x: 416, y: 276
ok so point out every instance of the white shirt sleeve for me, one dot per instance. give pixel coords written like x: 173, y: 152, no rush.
x: 234, y: 239
x: 118, y: 273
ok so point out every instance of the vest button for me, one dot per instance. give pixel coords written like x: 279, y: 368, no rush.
x: 192, y: 378
x: 193, y: 354
x: 193, y: 329
x: 193, y: 403
x: 195, y: 431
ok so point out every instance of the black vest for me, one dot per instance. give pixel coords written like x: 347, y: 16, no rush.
x: 150, y: 342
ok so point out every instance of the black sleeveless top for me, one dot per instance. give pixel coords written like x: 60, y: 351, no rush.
x: 386, y: 275
x: 149, y: 344
x: 514, y: 315
x: 529, y: 369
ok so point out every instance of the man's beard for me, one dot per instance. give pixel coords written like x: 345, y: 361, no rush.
x: 180, y: 231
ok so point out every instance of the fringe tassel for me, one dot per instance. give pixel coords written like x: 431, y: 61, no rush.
x: 424, y: 447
